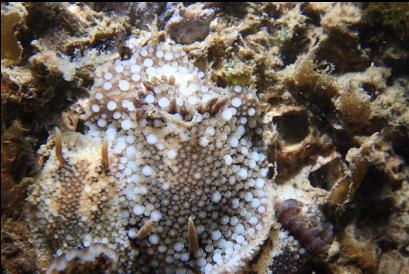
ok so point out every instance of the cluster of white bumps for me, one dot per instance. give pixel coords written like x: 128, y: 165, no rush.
x: 179, y: 148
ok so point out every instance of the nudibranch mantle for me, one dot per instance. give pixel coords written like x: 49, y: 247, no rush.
x: 169, y: 176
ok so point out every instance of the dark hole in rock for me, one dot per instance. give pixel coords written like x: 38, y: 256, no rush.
x: 341, y: 50
x: 327, y: 175
x: 221, y: 82
x: 374, y: 125
x: 372, y: 185
x: 81, y: 127
x: 293, y: 127
x: 293, y: 47
x: 235, y: 9
x: 343, y: 142
x: 401, y: 145
x: 103, y: 44
x: 8, y: 239
x: 273, y: 101
x: 14, y: 87
x: 370, y: 89
x: 404, y: 250
x: 323, y: 103
x: 313, y: 15
x: 373, y: 196
x: 386, y: 244
x: 397, y: 186
x: 314, y: 267
x: 377, y: 213
x: 125, y: 53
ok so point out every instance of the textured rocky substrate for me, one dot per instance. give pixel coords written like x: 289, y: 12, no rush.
x: 333, y: 100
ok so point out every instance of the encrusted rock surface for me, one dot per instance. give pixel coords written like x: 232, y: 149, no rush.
x: 205, y: 137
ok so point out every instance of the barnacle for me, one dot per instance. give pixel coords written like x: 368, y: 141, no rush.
x: 180, y: 182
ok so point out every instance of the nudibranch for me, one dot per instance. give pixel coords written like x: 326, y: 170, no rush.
x: 169, y: 176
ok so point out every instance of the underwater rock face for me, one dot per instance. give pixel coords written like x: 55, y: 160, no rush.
x: 332, y: 94
x: 170, y: 174
x: 188, y: 25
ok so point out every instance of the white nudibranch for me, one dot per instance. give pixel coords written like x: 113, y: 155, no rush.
x: 170, y: 170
